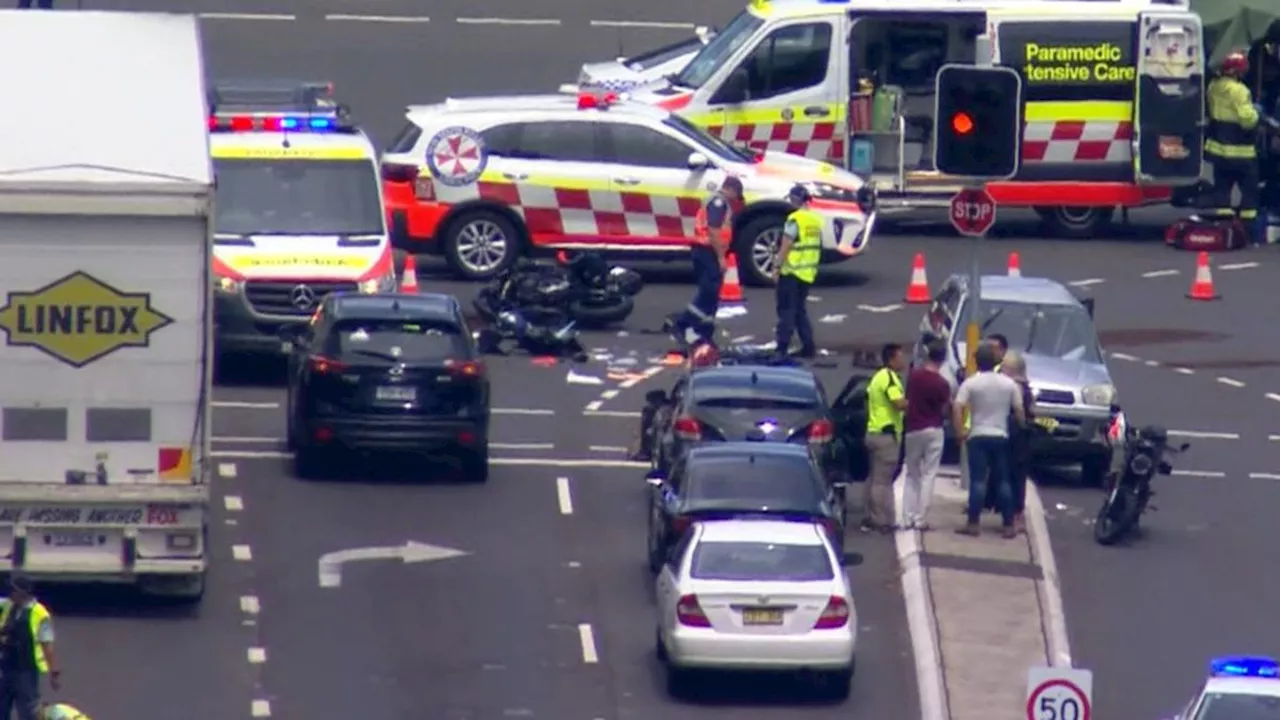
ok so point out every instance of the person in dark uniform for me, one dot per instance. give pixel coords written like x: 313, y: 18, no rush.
x: 712, y: 240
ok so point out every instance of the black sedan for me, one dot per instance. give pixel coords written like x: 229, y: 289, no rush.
x: 387, y: 373
x: 735, y: 480
x: 760, y: 403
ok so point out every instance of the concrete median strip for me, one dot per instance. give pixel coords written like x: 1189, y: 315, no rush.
x: 981, y: 611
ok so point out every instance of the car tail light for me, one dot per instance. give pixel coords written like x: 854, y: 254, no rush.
x: 821, y: 432
x: 465, y: 368
x: 395, y: 172
x: 689, y: 612
x: 834, y: 615
x: 325, y: 366
x: 679, y: 525
x: 466, y: 437
x: 323, y: 434
x: 687, y: 428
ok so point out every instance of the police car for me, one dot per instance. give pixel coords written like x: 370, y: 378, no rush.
x: 483, y: 181
x: 299, y: 209
x: 1238, y: 688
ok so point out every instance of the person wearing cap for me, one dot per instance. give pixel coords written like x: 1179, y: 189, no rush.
x: 795, y: 270
x: 26, y: 652
x: 1231, y: 144
x: 712, y: 239
x: 61, y: 711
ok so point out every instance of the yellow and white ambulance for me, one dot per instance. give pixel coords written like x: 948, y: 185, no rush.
x: 299, y: 209
x: 1113, y: 94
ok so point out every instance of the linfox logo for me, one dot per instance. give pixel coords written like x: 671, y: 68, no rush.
x: 79, y: 319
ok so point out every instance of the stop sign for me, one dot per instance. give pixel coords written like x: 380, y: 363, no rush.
x: 973, y: 212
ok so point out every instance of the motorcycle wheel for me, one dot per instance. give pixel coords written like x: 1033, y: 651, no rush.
x: 601, y: 314
x: 1113, y: 520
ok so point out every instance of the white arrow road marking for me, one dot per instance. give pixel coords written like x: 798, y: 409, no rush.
x: 410, y: 552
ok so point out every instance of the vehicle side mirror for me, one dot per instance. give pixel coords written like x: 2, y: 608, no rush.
x: 656, y: 397
x: 698, y: 162
x: 1184, y: 447
x: 1088, y: 305
x: 851, y: 559
x: 734, y: 90
x: 655, y: 478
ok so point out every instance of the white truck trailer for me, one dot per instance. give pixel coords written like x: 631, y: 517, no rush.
x: 106, y: 191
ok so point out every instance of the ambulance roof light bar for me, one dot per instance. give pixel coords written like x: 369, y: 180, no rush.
x: 276, y: 106
x: 597, y: 101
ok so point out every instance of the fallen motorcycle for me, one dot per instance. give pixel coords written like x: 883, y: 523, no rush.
x: 559, y: 340
x: 584, y: 290
x: 1129, y: 495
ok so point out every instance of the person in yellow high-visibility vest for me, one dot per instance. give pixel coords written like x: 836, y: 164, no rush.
x: 795, y: 271
x: 1231, y: 143
x: 61, y: 711
x: 26, y: 651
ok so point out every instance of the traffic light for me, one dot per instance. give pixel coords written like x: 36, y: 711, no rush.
x: 978, y: 127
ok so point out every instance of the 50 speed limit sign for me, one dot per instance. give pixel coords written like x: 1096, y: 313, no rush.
x: 1059, y: 694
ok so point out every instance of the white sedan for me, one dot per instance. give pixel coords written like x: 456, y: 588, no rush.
x: 752, y: 594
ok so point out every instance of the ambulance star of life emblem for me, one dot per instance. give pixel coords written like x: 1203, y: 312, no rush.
x: 456, y: 156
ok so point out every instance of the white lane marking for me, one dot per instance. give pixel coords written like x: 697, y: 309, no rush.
x: 1086, y: 282
x: 628, y: 384
x: 249, y: 605
x: 509, y: 462
x: 251, y: 454
x: 612, y: 413
x: 405, y: 19
x: 521, y: 446
x: 245, y: 16
x: 587, y: 637
x: 1238, y: 266
x: 506, y: 21
x: 280, y: 441
x: 245, y: 405
x: 563, y: 496
x: 1184, y: 371
x: 1122, y: 356
x: 1159, y: 273
x: 593, y: 406
x: 1272, y: 396
x: 1199, y: 473
x: 242, y: 553
x: 1204, y: 435
x: 260, y: 708
x: 522, y: 411
x: 233, y: 503
x: 1274, y: 438
x: 257, y: 655
x: 1264, y: 476
x: 608, y: 394
x: 642, y: 24
x: 1151, y: 363
x: 880, y: 308
x: 247, y: 440
x: 226, y: 470
x: 742, y: 339
x: 607, y: 448
x: 1230, y: 381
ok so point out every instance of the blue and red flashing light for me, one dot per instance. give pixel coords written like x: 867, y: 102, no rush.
x: 273, y: 123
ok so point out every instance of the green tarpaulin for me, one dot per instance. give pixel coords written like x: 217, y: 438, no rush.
x: 1234, y: 24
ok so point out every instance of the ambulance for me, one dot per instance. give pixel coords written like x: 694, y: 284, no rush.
x: 299, y: 210
x: 1113, y: 95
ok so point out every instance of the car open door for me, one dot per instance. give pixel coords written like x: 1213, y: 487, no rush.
x: 1168, y: 128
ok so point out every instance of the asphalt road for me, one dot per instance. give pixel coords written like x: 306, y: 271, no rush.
x: 496, y: 632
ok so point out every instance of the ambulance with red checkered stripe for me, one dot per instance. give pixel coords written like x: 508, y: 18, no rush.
x: 1112, y: 93
x: 483, y: 181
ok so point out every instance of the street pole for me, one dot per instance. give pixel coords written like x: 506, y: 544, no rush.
x: 972, y: 331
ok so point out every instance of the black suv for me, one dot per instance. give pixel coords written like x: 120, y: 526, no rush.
x: 394, y: 372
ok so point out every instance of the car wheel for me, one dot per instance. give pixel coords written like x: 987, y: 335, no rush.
x: 290, y: 430
x: 310, y: 463
x: 678, y: 681
x: 757, y: 249
x: 654, y: 549
x: 475, y: 466
x: 659, y: 649
x: 1093, y: 471
x: 838, y: 685
x: 1075, y: 223
x: 480, y: 244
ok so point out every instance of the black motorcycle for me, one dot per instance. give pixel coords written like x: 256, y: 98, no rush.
x: 584, y: 290
x: 1129, y: 495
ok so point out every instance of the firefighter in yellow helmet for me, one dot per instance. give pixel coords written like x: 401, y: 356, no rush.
x: 60, y: 711
x: 1231, y: 143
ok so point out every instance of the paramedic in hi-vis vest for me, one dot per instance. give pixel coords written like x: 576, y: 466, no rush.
x: 26, y: 652
x: 1231, y: 143
x: 712, y: 238
x: 61, y: 711
x: 795, y: 269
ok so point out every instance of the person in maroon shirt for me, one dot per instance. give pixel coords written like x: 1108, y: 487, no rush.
x: 928, y: 400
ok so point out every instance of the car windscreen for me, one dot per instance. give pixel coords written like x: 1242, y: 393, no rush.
x: 767, y: 392
x: 396, y: 340
x: 766, y: 482
x: 1232, y: 706
x: 704, y: 139
x: 718, y: 52
x: 760, y: 561
x: 297, y: 197
x: 1059, y: 331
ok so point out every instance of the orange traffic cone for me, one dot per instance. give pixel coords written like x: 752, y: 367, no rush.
x: 1202, y: 285
x: 918, y: 288
x: 731, y: 288
x: 1015, y: 265
x: 409, y: 279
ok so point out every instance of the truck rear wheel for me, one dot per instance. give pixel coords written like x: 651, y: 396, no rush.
x: 1075, y: 223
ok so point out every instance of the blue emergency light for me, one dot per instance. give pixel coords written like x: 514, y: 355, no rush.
x: 274, y: 123
x: 1245, y: 666
x: 276, y: 106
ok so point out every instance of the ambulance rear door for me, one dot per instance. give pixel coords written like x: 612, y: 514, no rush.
x: 1168, y: 111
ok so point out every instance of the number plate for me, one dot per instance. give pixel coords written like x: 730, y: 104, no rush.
x: 1047, y: 423
x: 761, y: 616
x: 73, y: 539
x: 397, y: 393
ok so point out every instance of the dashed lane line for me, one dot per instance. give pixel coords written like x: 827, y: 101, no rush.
x: 249, y: 605
x: 1264, y: 476
x: 243, y: 553
x: 260, y: 708
x: 233, y: 503
x: 642, y: 24
x: 1231, y: 381
x: 1161, y: 273
x: 1087, y: 282
x: 1272, y: 396
x: 1184, y: 371
x: 587, y: 637
x: 389, y: 19
x: 505, y: 21
x: 1238, y: 266
x: 564, y: 498
x: 1199, y: 473
x: 1204, y: 435
x: 257, y: 655
x: 263, y: 17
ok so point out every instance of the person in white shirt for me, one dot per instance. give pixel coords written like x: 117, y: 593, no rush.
x: 987, y: 398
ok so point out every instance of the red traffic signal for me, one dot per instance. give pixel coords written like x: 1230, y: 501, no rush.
x: 962, y: 123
